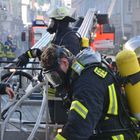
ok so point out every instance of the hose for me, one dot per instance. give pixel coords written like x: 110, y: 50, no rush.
x: 3, y: 126
x: 32, y: 134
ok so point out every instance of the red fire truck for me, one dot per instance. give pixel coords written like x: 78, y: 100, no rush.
x: 37, y: 30
x: 103, y: 34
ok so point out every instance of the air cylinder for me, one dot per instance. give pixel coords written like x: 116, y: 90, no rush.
x: 128, y: 65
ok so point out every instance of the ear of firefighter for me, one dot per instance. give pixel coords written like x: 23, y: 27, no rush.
x: 128, y: 65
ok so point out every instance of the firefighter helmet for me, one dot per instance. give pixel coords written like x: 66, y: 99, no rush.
x: 9, y: 37
x: 134, y: 45
x: 61, y: 13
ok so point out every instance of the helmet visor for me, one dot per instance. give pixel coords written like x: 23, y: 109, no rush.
x: 53, y: 77
x: 51, y: 23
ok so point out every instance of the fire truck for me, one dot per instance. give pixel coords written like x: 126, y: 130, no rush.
x: 37, y: 30
x: 102, y: 37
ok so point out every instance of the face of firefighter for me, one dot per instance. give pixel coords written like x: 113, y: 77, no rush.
x: 58, y: 77
x: 52, y: 26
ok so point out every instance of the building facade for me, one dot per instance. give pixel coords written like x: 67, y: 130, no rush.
x: 126, y: 19
x: 10, y: 20
x: 136, y: 17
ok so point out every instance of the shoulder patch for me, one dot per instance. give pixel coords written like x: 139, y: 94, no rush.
x: 100, y: 72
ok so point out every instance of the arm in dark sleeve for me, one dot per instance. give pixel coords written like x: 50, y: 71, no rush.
x: 32, y: 53
x: 87, y: 91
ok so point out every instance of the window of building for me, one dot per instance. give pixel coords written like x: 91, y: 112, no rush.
x: 138, y: 27
x: 129, y: 6
x: 138, y: 4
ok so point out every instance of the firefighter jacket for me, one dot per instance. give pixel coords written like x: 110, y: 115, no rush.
x: 10, y: 49
x: 65, y: 36
x: 2, y: 53
x: 95, y: 107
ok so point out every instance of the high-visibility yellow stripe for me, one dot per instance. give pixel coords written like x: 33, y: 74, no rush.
x: 51, y: 90
x: 113, y: 105
x: 79, y: 108
x: 102, y: 73
x: 138, y: 135
x: 29, y: 54
x: 77, y: 67
x: 59, y: 137
x: 118, y: 137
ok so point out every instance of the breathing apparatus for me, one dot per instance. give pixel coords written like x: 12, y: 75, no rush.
x: 128, y: 62
x: 60, y: 15
x: 55, y: 75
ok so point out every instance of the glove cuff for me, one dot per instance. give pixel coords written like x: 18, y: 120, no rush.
x: 3, y: 88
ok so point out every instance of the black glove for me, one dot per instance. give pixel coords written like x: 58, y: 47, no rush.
x: 22, y: 60
x: 3, y: 88
x: 36, y: 53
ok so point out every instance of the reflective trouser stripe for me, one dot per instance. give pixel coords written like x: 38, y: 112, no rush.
x: 118, y: 137
x: 113, y: 105
x: 79, y: 108
x: 29, y: 54
x: 51, y: 91
x: 59, y: 137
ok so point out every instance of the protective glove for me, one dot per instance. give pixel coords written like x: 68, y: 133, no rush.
x: 6, y: 89
x: 22, y: 60
x: 36, y: 53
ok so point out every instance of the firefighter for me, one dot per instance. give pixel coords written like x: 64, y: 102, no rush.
x: 2, y: 53
x: 9, y: 42
x: 64, y: 35
x: 10, y: 49
x: 6, y: 89
x: 95, y: 112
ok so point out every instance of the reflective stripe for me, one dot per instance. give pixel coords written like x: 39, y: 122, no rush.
x: 77, y: 67
x: 138, y: 135
x: 29, y: 54
x: 113, y: 105
x: 79, y: 108
x: 10, y: 54
x: 51, y: 91
x: 59, y: 137
x: 102, y: 73
x: 118, y: 137
x: 2, y: 54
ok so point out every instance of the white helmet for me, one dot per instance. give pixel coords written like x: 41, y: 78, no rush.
x: 134, y: 45
x: 9, y: 37
x: 60, y: 13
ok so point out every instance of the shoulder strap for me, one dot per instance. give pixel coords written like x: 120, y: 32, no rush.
x: 76, y: 33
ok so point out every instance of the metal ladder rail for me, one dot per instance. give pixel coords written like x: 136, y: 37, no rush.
x: 86, y: 24
x: 15, y: 107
